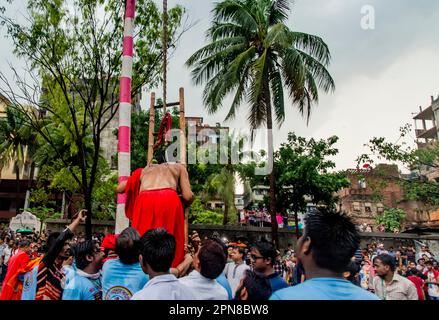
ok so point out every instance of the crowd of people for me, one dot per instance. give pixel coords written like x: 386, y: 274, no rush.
x: 326, y: 264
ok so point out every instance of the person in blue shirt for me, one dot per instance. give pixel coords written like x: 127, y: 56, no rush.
x: 325, y: 249
x: 221, y: 279
x: 263, y: 256
x: 85, y: 283
x: 123, y: 277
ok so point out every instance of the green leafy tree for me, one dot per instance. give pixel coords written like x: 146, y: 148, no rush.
x: 416, y: 186
x: 253, y: 54
x: 74, y: 53
x: 304, y: 170
x: 392, y: 219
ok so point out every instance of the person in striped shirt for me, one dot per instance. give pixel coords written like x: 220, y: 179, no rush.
x: 45, y: 281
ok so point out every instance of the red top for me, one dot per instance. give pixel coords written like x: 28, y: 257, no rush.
x: 419, y: 283
x: 132, y: 191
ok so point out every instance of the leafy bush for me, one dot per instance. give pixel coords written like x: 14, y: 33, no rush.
x: 198, y: 214
x: 391, y: 219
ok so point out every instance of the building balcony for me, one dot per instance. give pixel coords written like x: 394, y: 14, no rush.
x: 426, y: 134
x: 426, y: 114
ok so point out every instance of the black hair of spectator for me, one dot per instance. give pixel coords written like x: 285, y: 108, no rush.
x: 428, y: 262
x: 128, y: 246
x: 386, y: 260
x: 158, y: 249
x: 51, y: 240
x: 258, y: 287
x: 267, y: 250
x: 24, y: 244
x: 241, y: 250
x: 212, y: 259
x: 81, y: 251
x: 353, y: 268
x: 222, y: 244
x: 334, y: 238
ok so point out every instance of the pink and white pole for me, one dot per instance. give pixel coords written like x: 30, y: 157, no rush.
x: 124, y: 138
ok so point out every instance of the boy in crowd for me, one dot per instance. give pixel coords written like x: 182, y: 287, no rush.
x: 253, y: 287
x: 156, y: 258
x: 122, y: 277
x: 263, y: 256
x: 328, y: 243
x: 432, y: 281
x: 208, y: 263
x: 234, y: 271
x: 86, y: 282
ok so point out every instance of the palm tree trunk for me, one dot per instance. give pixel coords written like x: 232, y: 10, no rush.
x: 272, y: 177
x: 226, y: 213
x: 17, y: 195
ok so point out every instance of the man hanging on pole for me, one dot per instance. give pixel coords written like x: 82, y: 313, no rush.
x: 152, y: 198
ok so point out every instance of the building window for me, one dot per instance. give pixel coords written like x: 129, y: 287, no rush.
x: 380, y: 208
x: 368, y: 207
x: 356, y: 206
x: 362, y: 183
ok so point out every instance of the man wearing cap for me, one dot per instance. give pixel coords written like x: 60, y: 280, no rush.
x: 108, y: 246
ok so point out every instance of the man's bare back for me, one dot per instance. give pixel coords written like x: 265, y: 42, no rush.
x: 163, y: 176
x: 166, y: 175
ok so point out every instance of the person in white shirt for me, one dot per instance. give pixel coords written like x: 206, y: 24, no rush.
x: 235, y: 270
x: 208, y: 263
x: 156, y: 259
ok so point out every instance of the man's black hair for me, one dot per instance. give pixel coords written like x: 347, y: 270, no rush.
x: 158, y: 249
x: 257, y: 285
x: 428, y: 262
x: 160, y: 154
x: 386, y: 260
x: 24, y: 243
x: 267, y: 250
x: 51, y: 239
x: 212, y: 259
x: 222, y: 244
x: 128, y: 246
x: 334, y: 238
x: 353, y: 268
x: 81, y: 251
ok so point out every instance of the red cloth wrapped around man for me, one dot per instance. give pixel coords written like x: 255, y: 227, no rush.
x: 153, y: 202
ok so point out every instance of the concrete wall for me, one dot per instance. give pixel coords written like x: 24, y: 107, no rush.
x: 253, y: 234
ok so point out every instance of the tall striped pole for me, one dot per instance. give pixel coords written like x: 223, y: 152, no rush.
x: 124, y: 136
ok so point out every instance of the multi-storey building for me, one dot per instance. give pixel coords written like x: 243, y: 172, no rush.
x: 426, y: 130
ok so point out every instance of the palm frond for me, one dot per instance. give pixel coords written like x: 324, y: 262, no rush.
x: 279, y: 11
x: 319, y: 72
x: 221, y: 30
x: 313, y: 45
x: 277, y: 92
x: 234, y: 11
x: 213, y: 48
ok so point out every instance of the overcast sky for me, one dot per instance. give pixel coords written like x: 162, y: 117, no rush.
x: 382, y: 75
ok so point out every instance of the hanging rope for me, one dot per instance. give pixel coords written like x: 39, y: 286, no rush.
x: 164, y: 130
x: 165, y: 53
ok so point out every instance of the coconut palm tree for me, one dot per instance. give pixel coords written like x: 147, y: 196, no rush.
x: 16, y: 141
x: 254, y: 55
